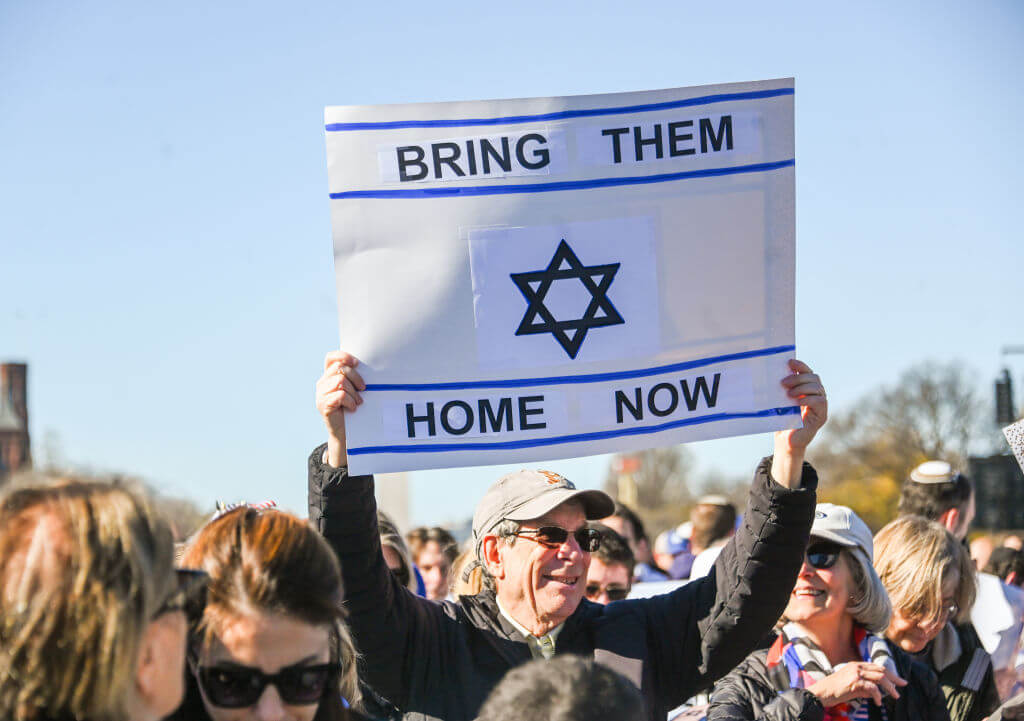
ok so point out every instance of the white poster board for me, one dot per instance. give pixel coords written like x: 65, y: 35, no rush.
x: 558, y: 277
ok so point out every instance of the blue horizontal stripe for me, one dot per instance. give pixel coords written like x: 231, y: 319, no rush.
x: 467, y: 191
x: 559, y: 115
x: 583, y: 378
x: 573, y: 438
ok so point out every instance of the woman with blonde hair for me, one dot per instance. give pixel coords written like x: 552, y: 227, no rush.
x: 930, y: 579
x: 829, y: 660
x: 91, y: 611
x: 271, y: 641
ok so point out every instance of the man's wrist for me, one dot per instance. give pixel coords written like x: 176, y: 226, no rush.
x: 787, y: 466
x: 335, y: 454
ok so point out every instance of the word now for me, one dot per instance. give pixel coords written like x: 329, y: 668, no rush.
x: 662, y: 399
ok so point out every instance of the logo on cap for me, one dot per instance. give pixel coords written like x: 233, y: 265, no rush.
x: 554, y: 479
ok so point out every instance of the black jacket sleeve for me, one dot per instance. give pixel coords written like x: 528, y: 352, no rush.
x: 757, y: 569
x: 391, y: 626
x: 700, y: 632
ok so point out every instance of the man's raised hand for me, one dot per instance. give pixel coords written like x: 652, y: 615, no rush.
x: 338, y: 391
x: 803, y: 386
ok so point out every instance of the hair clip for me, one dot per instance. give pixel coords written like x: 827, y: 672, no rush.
x: 225, y: 508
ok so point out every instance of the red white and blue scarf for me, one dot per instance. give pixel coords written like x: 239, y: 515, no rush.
x: 806, y: 664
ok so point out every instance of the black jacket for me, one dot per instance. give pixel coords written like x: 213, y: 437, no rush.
x: 969, y: 682
x: 754, y: 691
x: 441, y: 660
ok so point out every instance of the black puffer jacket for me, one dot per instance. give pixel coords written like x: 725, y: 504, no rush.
x: 755, y: 691
x: 441, y: 660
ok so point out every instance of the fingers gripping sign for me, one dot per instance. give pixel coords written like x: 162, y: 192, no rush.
x: 337, y: 392
x: 805, y: 387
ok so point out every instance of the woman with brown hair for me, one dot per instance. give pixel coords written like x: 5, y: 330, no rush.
x: 271, y: 642
x: 91, y: 621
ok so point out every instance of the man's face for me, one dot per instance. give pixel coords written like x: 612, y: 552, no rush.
x: 607, y: 583
x: 434, y: 568
x: 540, y: 586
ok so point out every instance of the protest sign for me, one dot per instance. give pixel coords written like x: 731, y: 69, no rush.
x: 557, y: 277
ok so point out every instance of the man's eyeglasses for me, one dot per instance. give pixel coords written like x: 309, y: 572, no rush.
x: 242, y: 686
x: 589, y: 539
x: 614, y: 593
x: 189, y: 594
x: 823, y: 555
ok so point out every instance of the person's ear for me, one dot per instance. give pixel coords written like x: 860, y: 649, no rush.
x: 147, y: 672
x: 152, y: 697
x: 950, y: 519
x: 145, y: 676
x: 491, y: 552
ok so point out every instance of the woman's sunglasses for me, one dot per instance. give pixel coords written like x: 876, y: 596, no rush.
x: 589, y: 539
x: 823, y: 555
x: 242, y: 686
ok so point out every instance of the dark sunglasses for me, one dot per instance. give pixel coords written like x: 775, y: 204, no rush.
x: 823, y: 555
x: 614, y: 593
x: 189, y: 594
x: 242, y: 686
x: 589, y: 539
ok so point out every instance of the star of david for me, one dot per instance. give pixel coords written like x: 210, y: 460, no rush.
x: 534, y: 285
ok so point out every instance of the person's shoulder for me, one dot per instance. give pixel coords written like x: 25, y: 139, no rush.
x: 478, y: 610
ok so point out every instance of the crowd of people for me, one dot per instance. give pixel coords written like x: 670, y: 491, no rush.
x: 557, y: 608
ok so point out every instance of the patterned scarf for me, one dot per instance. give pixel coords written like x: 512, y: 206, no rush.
x: 807, y: 664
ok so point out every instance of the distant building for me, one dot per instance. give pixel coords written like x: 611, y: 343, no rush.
x: 15, y: 450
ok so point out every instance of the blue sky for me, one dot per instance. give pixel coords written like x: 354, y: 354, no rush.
x: 165, y: 252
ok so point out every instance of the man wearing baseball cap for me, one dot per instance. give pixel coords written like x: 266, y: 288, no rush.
x: 436, y: 661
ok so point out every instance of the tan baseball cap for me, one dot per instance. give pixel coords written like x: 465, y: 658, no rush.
x: 527, y: 494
